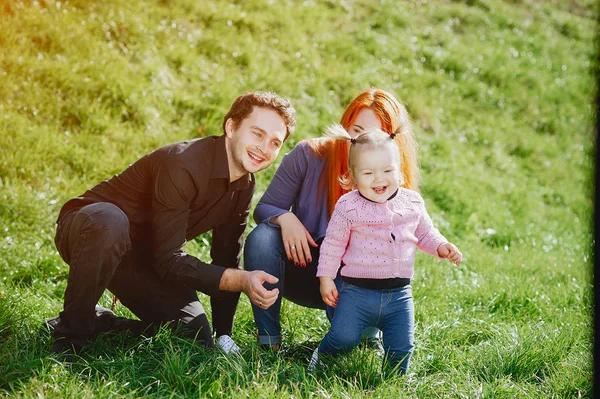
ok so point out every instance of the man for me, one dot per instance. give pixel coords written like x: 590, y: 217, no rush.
x: 127, y: 233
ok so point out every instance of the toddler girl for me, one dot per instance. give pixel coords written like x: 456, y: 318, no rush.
x: 372, y: 234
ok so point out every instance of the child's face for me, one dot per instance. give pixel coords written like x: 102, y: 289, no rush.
x: 377, y: 172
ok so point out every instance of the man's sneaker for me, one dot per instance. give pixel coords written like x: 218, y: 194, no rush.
x: 314, y: 361
x: 226, y: 344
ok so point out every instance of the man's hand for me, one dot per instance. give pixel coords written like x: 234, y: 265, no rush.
x: 329, y: 291
x: 256, y: 292
x: 296, y: 239
x: 251, y: 284
x: 450, y: 252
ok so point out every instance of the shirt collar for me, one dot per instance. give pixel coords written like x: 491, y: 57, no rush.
x: 392, y: 196
x: 220, y: 167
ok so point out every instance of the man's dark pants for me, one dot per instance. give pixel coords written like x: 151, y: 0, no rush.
x: 94, y: 240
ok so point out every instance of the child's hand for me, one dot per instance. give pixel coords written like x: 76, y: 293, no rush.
x: 450, y: 252
x: 329, y: 291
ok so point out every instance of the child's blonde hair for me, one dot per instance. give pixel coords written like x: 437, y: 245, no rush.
x: 371, y: 139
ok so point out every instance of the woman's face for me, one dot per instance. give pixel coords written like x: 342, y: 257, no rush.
x: 366, y: 119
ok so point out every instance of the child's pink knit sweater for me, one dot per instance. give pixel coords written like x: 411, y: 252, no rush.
x: 377, y: 240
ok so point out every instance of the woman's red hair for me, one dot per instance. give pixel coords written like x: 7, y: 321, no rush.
x: 393, y: 115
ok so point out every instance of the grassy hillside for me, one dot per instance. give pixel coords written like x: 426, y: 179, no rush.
x: 501, y: 93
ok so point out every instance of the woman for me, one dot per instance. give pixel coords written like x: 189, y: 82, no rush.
x: 293, y: 214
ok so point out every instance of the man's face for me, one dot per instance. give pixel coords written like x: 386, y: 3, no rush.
x: 255, y: 142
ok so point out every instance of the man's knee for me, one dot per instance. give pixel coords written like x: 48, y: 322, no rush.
x: 107, y: 222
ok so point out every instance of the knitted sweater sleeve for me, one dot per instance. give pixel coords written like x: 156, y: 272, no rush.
x: 335, y: 242
x: 429, y: 238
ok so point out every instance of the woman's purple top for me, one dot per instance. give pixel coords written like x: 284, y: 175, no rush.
x: 296, y: 185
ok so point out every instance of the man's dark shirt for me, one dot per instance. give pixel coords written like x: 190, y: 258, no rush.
x: 174, y: 194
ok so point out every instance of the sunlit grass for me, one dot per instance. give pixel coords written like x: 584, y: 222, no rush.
x: 501, y: 94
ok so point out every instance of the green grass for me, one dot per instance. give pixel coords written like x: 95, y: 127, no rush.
x: 501, y: 93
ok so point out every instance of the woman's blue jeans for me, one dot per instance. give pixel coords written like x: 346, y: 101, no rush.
x: 264, y: 251
x: 391, y: 310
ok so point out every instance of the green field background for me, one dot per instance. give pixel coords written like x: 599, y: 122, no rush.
x: 502, y: 98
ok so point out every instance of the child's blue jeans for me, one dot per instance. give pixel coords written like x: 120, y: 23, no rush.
x: 390, y: 310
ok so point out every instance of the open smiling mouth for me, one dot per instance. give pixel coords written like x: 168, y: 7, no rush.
x: 255, y: 157
x: 380, y: 189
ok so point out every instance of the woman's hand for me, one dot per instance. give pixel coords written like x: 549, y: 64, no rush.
x: 450, y: 252
x: 329, y: 291
x: 296, y: 239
